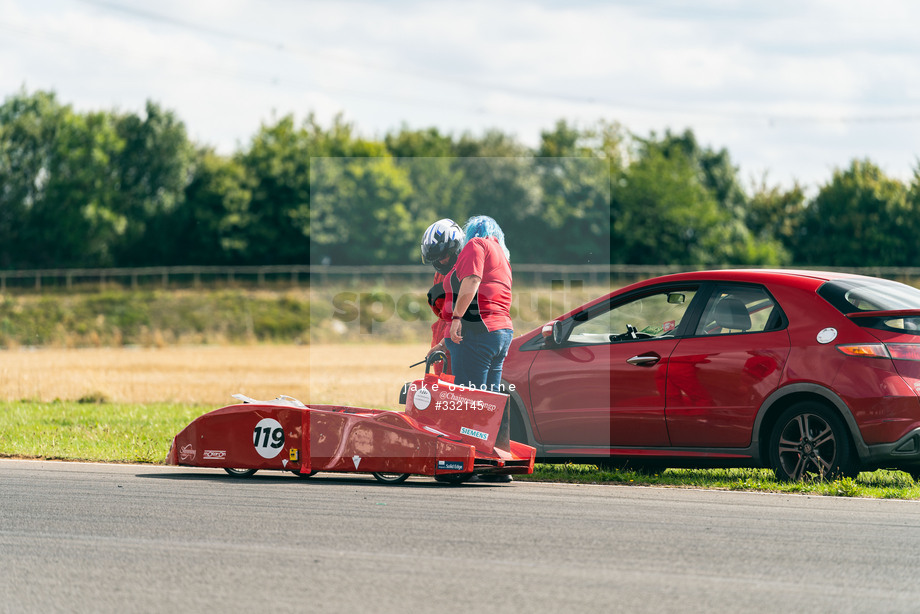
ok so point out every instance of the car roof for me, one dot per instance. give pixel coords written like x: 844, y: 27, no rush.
x: 788, y: 276
x: 803, y: 279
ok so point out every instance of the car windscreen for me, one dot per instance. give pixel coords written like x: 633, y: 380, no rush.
x: 869, y: 294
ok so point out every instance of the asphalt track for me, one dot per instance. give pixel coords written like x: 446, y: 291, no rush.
x: 116, y: 538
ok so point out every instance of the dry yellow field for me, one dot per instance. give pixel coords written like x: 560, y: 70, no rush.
x: 368, y: 375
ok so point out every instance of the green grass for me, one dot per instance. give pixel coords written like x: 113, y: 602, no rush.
x: 881, y: 484
x: 107, y: 432
x: 142, y: 433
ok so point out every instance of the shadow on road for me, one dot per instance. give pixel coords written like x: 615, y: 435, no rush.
x: 275, y: 477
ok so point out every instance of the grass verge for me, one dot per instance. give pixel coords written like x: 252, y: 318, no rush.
x: 142, y: 433
x: 88, y: 431
x: 881, y: 484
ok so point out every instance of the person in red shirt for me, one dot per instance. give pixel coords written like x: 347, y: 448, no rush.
x: 441, y: 245
x: 478, y: 300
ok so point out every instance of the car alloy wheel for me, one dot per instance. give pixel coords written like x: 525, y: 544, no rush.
x: 809, y: 441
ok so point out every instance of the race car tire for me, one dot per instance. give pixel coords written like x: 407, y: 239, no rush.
x: 303, y: 475
x: 391, y: 478
x: 239, y: 473
x: 453, y: 478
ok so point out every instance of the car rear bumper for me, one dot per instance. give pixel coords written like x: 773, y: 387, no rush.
x: 902, y: 454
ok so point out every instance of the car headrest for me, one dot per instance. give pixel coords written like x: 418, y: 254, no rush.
x: 732, y: 314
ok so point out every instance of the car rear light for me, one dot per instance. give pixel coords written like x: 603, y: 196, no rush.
x: 904, y: 351
x: 895, y: 351
x: 868, y: 350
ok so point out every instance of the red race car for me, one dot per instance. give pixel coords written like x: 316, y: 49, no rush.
x: 448, y: 432
x: 809, y: 373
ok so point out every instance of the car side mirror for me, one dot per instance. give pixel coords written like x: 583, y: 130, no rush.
x: 553, y: 333
x: 676, y: 298
x: 559, y: 335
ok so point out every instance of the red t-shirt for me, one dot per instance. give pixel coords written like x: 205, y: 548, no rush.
x: 484, y: 258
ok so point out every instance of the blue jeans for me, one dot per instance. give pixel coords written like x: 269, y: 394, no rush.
x: 477, y: 360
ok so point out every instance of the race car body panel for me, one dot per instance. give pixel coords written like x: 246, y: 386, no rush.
x: 459, y: 431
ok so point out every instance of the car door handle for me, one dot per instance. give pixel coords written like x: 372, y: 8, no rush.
x: 645, y: 360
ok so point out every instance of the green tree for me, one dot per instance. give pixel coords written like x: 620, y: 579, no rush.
x: 29, y: 125
x: 68, y: 188
x: 278, y: 169
x: 500, y: 182
x: 664, y: 213
x: 82, y: 187
x: 714, y: 169
x: 427, y: 143
x: 359, y: 213
x: 439, y: 187
x: 208, y: 227
x: 777, y: 214
x: 860, y: 218
x: 153, y: 169
x: 278, y: 163
x: 571, y: 222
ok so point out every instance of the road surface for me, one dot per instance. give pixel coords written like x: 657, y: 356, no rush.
x: 120, y: 538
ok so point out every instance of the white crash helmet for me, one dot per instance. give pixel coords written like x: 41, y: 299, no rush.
x: 441, y: 239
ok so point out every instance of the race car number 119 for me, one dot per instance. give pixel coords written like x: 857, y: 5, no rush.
x: 268, y: 438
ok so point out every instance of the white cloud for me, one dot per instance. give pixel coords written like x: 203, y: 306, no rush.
x: 771, y: 82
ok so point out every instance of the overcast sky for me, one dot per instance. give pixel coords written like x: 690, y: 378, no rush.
x: 793, y: 88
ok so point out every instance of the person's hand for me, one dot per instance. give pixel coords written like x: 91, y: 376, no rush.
x: 440, y: 347
x: 455, y: 327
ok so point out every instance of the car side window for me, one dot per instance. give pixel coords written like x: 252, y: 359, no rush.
x: 645, y: 317
x: 739, y: 309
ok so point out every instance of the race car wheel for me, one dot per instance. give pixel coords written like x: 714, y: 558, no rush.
x: 809, y: 440
x: 239, y: 473
x: 304, y: 475
x: 453, y: 478
x: 391, y: 478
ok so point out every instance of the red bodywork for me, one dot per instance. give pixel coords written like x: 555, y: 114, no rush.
x: 693, y: 395
x: 445, y: 430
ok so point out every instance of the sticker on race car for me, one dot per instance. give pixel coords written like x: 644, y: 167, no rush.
x: 215, y: 454
x: 450, y: 465
x: 474, y: 433
x: 187, y: 452
x: 356, y: 460
x: 422, y: 398
x: 268, y: 438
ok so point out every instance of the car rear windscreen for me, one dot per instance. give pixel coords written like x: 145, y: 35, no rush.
x: 869, y: 294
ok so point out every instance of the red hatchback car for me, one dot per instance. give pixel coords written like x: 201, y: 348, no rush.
x: 809, y: 373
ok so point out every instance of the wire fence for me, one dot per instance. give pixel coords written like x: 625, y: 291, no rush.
x: 178, y: 277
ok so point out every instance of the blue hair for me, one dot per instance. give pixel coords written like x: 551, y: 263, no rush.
x: 483, y: 226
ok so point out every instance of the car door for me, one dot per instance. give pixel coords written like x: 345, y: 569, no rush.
x: 719, y: 376
x: 605, y: 384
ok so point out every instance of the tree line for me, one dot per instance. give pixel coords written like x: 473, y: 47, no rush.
x: 111, y: 188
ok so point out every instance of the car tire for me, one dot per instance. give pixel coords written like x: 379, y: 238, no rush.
x: 391, y: 478
x: 239, y: 473
x: 808, y: 441
x: 304, y: 475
